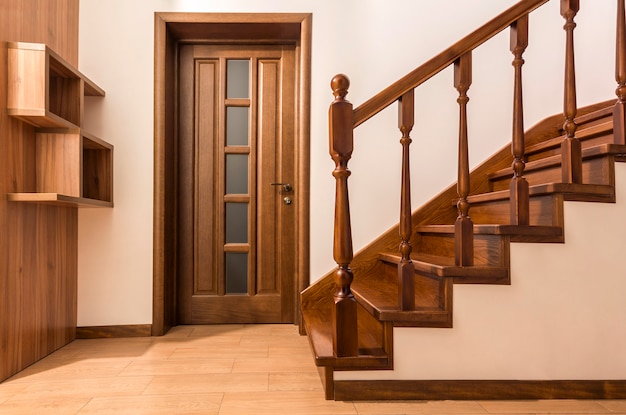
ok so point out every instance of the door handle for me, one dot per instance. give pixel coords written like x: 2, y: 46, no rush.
x: 286, y: 186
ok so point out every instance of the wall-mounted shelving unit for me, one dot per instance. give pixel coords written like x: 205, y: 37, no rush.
x: 73, y: 167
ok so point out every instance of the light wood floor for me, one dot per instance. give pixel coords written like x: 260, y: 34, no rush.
x: 225, y: 370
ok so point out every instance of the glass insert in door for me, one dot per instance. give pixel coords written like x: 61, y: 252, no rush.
x: 238, y: 186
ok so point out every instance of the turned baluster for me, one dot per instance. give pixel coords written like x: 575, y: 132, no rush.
x: 463, y: 227
x: 619, y: 112
x: 340, y: 114
x: 406, y: 271
x: 571, y: 152
x: 519, y: 185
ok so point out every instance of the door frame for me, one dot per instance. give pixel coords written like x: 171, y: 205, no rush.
x: 171, y: 28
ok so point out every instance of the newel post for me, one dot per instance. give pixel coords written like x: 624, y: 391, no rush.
x: 571, y: 151
x: 619, y: 112
x: 340, y: 114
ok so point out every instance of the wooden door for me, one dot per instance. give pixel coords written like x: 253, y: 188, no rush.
x: 236, y: 234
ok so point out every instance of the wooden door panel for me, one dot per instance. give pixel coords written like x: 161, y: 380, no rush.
x: 236, y: 309
x: 268, y: 136
x: 205, y: 272
x: 213, y: 246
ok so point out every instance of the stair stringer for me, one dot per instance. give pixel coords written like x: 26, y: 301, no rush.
x: 562, y: 318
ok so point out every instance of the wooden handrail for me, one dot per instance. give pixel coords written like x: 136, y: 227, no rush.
x: 446, y: 58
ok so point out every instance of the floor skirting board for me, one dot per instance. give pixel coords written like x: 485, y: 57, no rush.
x: 100, y: 332
x: 356, y: 390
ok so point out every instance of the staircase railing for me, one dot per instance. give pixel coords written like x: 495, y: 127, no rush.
x: 343, y: 119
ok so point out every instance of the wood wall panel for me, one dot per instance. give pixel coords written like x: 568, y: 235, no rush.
x: 38, y: 243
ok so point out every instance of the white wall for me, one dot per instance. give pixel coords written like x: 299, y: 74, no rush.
x: 374, y: 43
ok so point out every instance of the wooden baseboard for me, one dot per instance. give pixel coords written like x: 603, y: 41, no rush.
x: 102, y: 332
x: 478, y: 389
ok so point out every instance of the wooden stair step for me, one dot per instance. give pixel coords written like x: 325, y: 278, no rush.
x: 597, y: 114
x: 496, y: 229
x: 555, y: 161
x: 582, y: 134
x: 517, y: 233
x: 318, y: 327
x: 378, y: 294
x: 444, y: 267
x: 571, y: 191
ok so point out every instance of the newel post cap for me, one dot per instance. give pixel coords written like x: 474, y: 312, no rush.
x: 340, y: 84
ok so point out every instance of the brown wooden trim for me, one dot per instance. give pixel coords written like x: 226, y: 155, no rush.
x: 171, y: 28
x: 107, y: 332
x: 303, y: 164
x: 326, y: 376
x: 346, y: 390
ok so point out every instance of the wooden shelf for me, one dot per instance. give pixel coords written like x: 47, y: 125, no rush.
x: 72, y: 167
x: 45, y: 90
x: 74, y: 163
x: 57, y: 200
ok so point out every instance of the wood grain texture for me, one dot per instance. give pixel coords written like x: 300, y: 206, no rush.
x: 38, y: 246
x: 58, y: 163
x: 251, y: 28
x: 479, y: 389
x: 204, y: 149
x: 56, y: 199
x: 101, y: 332
x: 43, y: 88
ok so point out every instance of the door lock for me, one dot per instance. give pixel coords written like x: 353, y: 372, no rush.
x: 287, y: 200
x: 286, y: 186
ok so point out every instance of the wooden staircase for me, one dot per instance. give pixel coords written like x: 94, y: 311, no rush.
x: 438, y: 252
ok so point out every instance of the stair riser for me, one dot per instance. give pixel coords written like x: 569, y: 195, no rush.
x: 586, y: 142
x: 429, y: 290
x: 595, y: 171
x: 544, y: 211
x: 488, y: 249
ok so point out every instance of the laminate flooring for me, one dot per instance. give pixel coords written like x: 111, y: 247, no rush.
x: 220, y: 370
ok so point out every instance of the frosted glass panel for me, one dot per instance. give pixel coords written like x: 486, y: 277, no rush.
x: 236, y: 273
x: 237, y: 174
x: 237, y: 126
x: 237, y: 78
x: 236, y: 223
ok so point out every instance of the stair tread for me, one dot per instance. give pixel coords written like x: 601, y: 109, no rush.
x: 379, y: 294
x: 582, y: 134
x: 595, y: 151
x: 595, y: 115
x: 319, y: 332
x: 496, y: 229
x: 380, y: 299
x: 444, y: 266
x: 580, y: 189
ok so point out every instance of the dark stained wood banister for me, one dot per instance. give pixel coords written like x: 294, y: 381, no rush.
x: 444, y: 59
